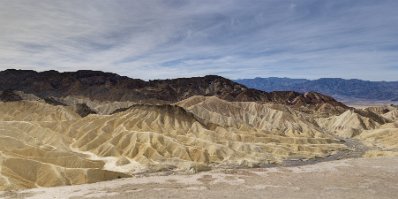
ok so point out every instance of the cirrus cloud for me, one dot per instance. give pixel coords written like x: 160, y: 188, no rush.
x: 234, y: 38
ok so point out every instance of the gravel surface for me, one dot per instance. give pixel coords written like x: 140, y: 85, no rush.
x: 348, y: 178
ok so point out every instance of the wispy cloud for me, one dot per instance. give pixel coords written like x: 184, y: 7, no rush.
x: 234, y: 38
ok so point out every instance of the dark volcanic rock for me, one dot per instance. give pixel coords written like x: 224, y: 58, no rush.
x: 102, y: 86
x: 52, y: 101
x: 83, y: 110
x: 9, y: 96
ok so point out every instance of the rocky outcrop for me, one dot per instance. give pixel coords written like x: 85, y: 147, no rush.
x: 9, y: 96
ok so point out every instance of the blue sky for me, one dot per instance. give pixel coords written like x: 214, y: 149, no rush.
x: 151, y: 39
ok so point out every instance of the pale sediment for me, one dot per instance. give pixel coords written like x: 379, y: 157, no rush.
x: 45, y: 145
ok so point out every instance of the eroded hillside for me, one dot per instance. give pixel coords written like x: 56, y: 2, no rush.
x: 51, y: 145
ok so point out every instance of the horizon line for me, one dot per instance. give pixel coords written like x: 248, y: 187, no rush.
x: 233, y: 79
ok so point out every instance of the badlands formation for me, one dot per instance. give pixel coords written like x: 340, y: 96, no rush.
x: 53, y: 134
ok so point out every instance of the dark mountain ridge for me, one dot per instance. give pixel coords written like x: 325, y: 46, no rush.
x: 101, y: 86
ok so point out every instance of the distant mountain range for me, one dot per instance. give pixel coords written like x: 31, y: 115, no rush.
x: 336, y: 87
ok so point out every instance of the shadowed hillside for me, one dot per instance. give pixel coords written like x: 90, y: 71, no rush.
x: 100, y: 86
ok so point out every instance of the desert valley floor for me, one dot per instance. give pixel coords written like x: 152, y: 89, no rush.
x: 349, y: 178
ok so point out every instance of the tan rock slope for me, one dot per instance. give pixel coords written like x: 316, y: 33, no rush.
x: 47, y: 145
x: 352, y: 122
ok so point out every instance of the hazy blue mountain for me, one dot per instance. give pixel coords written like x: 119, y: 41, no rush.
x: 336, y: 87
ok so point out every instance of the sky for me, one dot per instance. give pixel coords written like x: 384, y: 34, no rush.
x: 159, y: 39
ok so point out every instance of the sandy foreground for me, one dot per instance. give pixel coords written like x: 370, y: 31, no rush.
x: 349, y: 178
